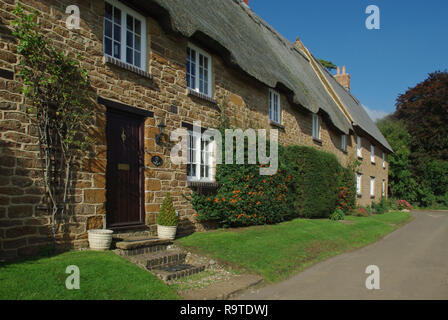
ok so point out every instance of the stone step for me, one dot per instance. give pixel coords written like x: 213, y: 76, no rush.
x: 177, y: 271
x: 141, y: 246
x: 160, y: 259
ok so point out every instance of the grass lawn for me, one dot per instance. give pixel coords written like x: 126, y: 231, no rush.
x: 103, y: 275
x: 278, y: 251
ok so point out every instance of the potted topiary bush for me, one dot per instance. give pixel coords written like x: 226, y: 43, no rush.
x: 167, y: 219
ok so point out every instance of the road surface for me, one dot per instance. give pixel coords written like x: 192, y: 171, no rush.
x: 412, y: 262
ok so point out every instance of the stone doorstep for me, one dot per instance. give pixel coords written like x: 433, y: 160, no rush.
x: 224, y: 290
x: 141, y: 246
x: 177, y: 271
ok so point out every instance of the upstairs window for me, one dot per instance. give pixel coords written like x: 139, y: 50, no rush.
x: 316, y: 127
x: 274, y: 107
x: 384, y: 160
x: 124, y: 34
x: 372, y: 153
x: 199, y: 71
x: 344, y: 142
x: 358, y: 183
x: 358, y: 143
x: 199, y: 158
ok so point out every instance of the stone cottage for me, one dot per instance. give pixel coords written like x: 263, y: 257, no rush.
x: 163, y: 64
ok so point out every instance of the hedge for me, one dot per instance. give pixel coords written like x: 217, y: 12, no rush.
x: 309, y: 183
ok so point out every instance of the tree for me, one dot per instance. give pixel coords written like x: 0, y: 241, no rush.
x: 330, y: 66
x: 401, y: 181
x: 424, y: 109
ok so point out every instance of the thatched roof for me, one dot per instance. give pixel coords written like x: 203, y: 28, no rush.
x: 245, y: 41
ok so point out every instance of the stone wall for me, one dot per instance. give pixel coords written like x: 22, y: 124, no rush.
x: 25, y: 224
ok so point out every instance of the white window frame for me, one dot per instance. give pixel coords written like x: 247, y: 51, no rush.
x: 344, y: 142
x: 384, y: 188
x: 275, y: 108
x: 384, y: 160
x: 123, y: 45
x: 372, y: 153
x: 196, y: 158
x: 359, y: 146
x: 372, y: 186
x: 358, y: 183
x: 315, y: 126
x: 195, y: 86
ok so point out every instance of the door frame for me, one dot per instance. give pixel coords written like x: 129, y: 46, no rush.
x: 119, y: 108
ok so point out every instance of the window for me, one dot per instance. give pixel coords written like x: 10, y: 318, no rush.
x: 200, y: 158
x: 316, y: 127
x: 384, y: 160
x: 358, y: 142
x: 383, y: 191
x: 124, y: 34
x: 274, y: 107
x: 358, y: 183
x: 344, y: 142
x: 372, y: 186
x: 199, y: 71
x: 372, y: 153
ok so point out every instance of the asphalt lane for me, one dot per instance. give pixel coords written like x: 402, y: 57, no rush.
x: 412, y: 263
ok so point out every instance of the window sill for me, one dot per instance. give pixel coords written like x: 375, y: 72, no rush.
x: 318, y: 141
x: 373, y: 162
x: 202, y: 96
x: 359, y: 195
x: 344, y: 151
x: 276, y: 124
x: 202, y: 184
x: 360, y: 158
x: 127, y: 67
x: 372, y: 197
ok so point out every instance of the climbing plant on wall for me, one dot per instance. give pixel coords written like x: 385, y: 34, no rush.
x: 57, y: 92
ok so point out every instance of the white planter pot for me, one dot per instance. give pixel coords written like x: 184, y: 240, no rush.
x: 166, y: 232
x: 100, y: 239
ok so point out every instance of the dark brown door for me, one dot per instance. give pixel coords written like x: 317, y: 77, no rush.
x: 125, y: 188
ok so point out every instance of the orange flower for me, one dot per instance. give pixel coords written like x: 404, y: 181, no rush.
x: 258, y: 202
x: 216, y: 200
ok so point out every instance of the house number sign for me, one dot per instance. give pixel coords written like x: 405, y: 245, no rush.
x: 157, y: 161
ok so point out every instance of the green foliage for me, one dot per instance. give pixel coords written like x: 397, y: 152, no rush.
x: 327, y: 64
x: 402, y: 183
x: 307, y: 184
x: 381, y: 207
x: 316, y: 178
x: 58, y: 92
x: 338, y: 214
x: 167, y: 214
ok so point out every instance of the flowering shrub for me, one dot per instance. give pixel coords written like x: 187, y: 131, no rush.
x: 245, y: 198
x: 360, y: 212
x: 403, y: 204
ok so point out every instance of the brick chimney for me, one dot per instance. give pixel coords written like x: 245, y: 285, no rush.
x: 343, y: 78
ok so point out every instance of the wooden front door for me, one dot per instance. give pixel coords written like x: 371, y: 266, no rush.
x: 125, y: 165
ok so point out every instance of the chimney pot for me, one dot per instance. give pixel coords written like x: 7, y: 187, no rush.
x: 246, y: 2
x: 338, y: 70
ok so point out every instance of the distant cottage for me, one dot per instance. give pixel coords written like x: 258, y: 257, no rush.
x: 169, y: 62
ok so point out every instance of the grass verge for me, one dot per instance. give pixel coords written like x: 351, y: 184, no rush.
x: 277, y: 251
x: 103, y: 276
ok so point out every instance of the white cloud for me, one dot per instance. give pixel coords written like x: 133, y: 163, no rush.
x: 375, y: 114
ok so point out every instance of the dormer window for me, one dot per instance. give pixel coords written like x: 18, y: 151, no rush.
x: 124, y: 35
x: 372, y: 153
x: 199, y: 71
x: 358, y: 143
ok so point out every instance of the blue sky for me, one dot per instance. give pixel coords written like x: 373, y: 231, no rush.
x: 412, y: 41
